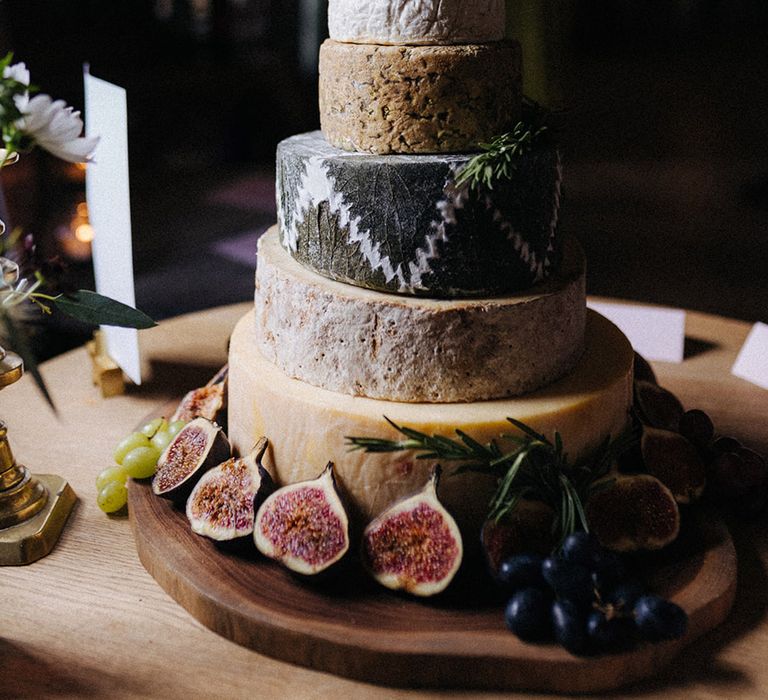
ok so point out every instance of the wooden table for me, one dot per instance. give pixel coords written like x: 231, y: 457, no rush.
x: 88, y: 621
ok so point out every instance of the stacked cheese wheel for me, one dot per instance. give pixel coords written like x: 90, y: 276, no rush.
x: 390, y: 289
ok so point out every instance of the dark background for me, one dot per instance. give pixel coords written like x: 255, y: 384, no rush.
x: 666, y: 145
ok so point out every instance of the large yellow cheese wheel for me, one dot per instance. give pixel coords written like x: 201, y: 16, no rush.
x: 307, y: 426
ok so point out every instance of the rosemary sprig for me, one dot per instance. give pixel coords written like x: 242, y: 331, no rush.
x: 500, y: 157
x: 535, y: 468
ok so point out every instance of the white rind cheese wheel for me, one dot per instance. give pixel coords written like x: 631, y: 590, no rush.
x: 387, y: 346
x: 307, y: 426
x: 416, y: 21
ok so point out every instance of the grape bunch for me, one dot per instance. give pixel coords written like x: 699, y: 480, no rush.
x: 584, y: 599
x: 136, y: 456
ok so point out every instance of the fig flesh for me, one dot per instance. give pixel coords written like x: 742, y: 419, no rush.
x: 414, y: 545
x: 304, y: 526
x: 222, y: 506
x: 199, y: 446
x: 208, y: 401
x: 673, y: 460
x: 527, y: 530
x: 632, y: 512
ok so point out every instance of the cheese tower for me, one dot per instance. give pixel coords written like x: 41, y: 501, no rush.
x: 390, y: 289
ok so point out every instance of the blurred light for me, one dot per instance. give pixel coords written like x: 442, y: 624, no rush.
x: 82, y: 209
x: 84, y: 233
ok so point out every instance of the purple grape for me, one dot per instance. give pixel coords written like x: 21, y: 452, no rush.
x: 568, y: 581
x: 625, y: 595
x: 569, y: 626
x: 527, y: 615
x: 521, y: 571
x: 609, y: 633
x: 608, y: 570
x: 658, y: 619
x: 581, y: 548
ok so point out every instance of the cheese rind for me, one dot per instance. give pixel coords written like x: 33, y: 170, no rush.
x: 401, y: 224
x: 416, y: 21
x: 307, y: 426
x: 418, y: 99
x: 365, y: 343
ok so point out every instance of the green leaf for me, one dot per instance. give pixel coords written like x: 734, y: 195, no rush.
x: 94, y: 308
x: 18, y: 341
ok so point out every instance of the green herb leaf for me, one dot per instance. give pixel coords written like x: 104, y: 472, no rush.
x: 536, y: 468
x: 94, y: 308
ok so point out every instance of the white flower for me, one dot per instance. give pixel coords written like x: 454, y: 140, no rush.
x: 57, y: 128
x: 19, y: 73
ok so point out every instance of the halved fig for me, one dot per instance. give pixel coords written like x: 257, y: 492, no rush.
x: 199, y: 446
x: 656, y: 406
x: 208, y: 401
x: 629, y: 513
x: 222, y: 505
x: 676, y: 462
x: 414, y: 545
x: 527, y: 530
x: 304, y: 526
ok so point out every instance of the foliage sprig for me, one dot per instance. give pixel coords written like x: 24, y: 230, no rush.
x: 500, y: 157
x: 535, y: 468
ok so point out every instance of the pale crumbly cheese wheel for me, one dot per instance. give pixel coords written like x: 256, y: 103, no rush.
x: 416, y: 21
x: 418, y: 99
x: 403, y: 224
x: 307, y: 426
x: 400, y: 348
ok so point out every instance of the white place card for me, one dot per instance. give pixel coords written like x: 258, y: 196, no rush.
x: 656, y: 333
x: 752, y: 362
x: 109, y: 211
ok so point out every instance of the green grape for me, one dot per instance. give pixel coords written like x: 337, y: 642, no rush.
x: 175, y: 427
x: 112, y: 497
x: 161, y: 439
x: 129, y: 443
x: 109, y: 475
x: 151, y: 428
x: 141, y: 462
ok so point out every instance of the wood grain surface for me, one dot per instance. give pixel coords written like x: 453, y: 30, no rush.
x: 351, y: 627
x: 88, y: 621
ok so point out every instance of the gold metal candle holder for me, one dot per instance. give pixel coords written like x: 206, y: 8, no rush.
x: 33, y: 509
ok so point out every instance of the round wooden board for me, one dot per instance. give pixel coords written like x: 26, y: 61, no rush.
x: 350, y: 627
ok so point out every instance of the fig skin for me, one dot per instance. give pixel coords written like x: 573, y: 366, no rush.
x: 319, y: 525
x: 656, y: 406
x: 208, y: 401
x: 200, y: 434
x: 238, y: 485
x: 406, y: 550
x: 675, y: 461
x: 527, y: 530
x: 642, y: 370
x: 628, y: 513
x: 739, y: 479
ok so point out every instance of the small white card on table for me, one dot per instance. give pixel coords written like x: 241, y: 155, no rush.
x: 752, y: 362
x: 109, y: 211
x: 656, y: 333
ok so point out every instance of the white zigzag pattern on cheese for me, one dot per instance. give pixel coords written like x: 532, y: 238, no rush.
x: 317, y: 186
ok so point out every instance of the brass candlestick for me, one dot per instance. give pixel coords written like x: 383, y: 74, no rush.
x: 33, y: 509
